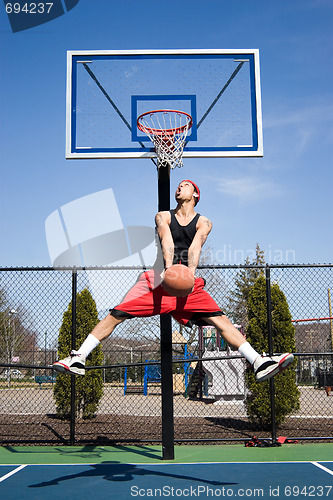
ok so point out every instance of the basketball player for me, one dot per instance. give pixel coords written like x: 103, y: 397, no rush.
x: 182, y: 233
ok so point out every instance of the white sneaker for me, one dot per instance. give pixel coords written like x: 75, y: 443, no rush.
x: 75, y: 363
x: 267, y: 366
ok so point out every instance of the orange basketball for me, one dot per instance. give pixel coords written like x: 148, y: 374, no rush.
x: 178, y: 280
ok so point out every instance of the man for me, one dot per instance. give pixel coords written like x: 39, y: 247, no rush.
x: 182, y: 233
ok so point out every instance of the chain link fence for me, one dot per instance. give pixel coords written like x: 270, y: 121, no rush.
x: 209, y: 380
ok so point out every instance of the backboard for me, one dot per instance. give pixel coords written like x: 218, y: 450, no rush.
x: 108, y: 90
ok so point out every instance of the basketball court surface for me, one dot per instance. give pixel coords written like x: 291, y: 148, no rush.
x: 302, y: 470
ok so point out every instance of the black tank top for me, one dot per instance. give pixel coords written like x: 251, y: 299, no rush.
x: 182, y: 238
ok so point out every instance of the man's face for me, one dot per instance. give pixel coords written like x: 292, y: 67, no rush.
x: 184, y: 191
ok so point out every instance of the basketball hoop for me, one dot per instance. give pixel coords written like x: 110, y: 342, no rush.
x: 167, y: 129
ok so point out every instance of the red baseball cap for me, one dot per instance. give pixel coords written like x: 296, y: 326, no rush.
x: 195, y: 187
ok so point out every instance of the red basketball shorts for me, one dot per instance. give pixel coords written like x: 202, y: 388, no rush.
x: 148, y: 298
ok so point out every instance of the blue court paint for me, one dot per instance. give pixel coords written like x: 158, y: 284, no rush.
x: 207, y: 480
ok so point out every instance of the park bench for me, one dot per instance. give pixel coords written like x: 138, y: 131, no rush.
x: 131, y: 389
x: 44, y: 379
x: 152, y: 374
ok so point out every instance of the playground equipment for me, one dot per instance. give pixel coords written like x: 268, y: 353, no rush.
x: 153, y: 374
x: 227, y: 376
x: 228, y: 381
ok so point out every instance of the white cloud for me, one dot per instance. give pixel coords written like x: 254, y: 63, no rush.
x: 293, y: 133
x: 248, y: 188
x: 313, y: 115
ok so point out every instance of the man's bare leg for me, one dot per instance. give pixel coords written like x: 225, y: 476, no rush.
x: 229, y: 332
x: 105, y: 327
x: 264, y: 367
x: 75, y: 362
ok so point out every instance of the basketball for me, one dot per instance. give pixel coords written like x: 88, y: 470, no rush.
x: 178, y: 280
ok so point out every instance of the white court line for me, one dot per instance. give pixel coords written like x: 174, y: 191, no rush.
x: 227, y: 463
x: 3, y: 478
x: 322, y: 467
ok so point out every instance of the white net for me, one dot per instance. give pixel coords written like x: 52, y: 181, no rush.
x: 167, y: 129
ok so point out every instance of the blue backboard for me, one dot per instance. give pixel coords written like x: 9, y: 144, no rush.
x: 108, y: 90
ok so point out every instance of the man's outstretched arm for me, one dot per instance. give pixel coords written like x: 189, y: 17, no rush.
x: 203, y: 229
x: 162, y: 220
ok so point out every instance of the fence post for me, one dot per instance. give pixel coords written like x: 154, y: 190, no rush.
x: 270, y: 347
x: 73, y: 341
x: 167, y: 389
x: 168, y: 452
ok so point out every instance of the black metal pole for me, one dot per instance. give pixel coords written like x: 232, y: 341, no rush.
x: 200, y: 369
x: 73, y: 341
x: 270, y: 347
x: 168, y: 438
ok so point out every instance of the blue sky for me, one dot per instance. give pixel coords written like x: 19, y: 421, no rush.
x: 282, y: 201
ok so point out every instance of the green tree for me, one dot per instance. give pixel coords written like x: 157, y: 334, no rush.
x: 286, y: 392
x: 88, y: 389
x: 15, y: 338
x: 245, y: 279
